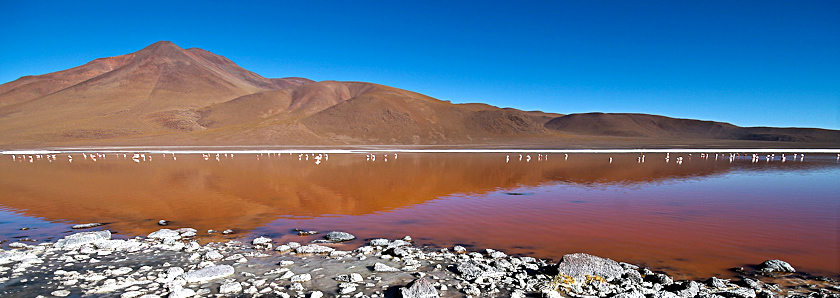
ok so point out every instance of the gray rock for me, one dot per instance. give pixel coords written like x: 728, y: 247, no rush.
x: 738, y: 293
x: 230, y: 288
x: 380, y: 242
x: 346, y: 288
x: 213, y: 256
x: 716, y: 283
x: 208, y: 273
x: 472, y: 270
x: 61, y: 293
x: 301, y: 278
x: 664, y: 294
x: 87, y: 225
x: 459, y: 249
x: 262, y: 243
x: 182, y: 293
x: 336, y: 236
x: 579, y: 265
x: 79, y: 239
x: 687, y: 289
x: 660, y: 278
x: 631, y: 294
x: 164, y: 234
x: 420, y: 288
x: 314, y: 249
x: 776, y: 266
x: 379, y: 267
x: 162, y: 222
x: 187, y: 232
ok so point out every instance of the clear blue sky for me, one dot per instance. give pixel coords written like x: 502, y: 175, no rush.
x: 750, y: 63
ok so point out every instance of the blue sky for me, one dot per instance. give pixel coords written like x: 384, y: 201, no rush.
x: 750, y: 63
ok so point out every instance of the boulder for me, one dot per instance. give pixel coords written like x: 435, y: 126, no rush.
x: 79, y: 239
x: 776, y: 266
x: 420, y: 288
x: 164, y: 234
x: 579, y: 265
x: 379, y: 267
x: 336, y: 236
x: 314, y: 249
x: 208, y: 273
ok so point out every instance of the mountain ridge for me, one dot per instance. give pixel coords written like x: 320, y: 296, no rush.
x: 166, y: 95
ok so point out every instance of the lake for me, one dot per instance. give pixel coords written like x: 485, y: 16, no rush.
x: 692, y: 219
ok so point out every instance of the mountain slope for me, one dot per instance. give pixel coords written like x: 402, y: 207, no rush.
x: 149, y: 91
x: 166, y: 95
x: 653, y: 126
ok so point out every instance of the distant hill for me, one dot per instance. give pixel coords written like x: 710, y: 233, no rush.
x: 166, y: 95
x: 653, y: 126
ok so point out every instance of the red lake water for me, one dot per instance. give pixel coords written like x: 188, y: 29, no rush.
x: 693, y: 219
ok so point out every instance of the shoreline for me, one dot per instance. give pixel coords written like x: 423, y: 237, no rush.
x: 170, y: 263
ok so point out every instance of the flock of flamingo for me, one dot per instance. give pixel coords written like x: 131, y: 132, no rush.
x: 321, y: 157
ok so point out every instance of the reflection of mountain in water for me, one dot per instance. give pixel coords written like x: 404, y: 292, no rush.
x: 246, y: 193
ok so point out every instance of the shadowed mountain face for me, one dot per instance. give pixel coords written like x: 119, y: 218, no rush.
x: 652, y: 126
x: 167, y: 96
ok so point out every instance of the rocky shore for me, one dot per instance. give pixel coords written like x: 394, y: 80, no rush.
x: 169, y: 263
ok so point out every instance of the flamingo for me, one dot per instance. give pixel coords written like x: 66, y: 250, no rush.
x: 507, y: 158
x: 528, y: 158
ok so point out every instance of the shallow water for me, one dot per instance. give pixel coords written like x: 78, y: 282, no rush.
x: 694, y: 219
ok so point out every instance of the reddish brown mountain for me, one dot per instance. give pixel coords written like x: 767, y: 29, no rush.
x: 166, y: 95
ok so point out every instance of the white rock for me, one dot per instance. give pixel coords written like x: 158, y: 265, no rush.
x: 379, y: 267
x: 61, y: 293
x: 230, y: 288
x: 187, y: 232
x: 208, y: 273
x: 316, y: 294
x: 77, y: 240
x: 301, y: 278
x: 314, y: 249
x: 164, y: 234
x: 173, y: 272
x: 182, y: 293
x: 213, y: 256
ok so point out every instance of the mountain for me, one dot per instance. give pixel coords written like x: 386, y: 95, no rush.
x: 164, y: 95
x: 653, y: 126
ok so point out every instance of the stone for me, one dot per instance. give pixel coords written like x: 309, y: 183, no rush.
x: 336, y: 236
x: 459, y: 249
x: 664, y: 294
x: 630, y: 294
x: 579, y: 265
x: 660, y: 278
x: 227, y: 232
x: 181, y: 293
x: 316, y: 294
x: 187, y: 232
x: 213, y: 256
x: 380, y: 242
x: 776, y: 266
x: 346, y: 288
x: 301, y: 278
x: 262, y: 243
x: 738, y: 293
x: 472, y: 270
x: 716, y: 283
x: 495, y: 254
x: 314, y: 249
x: 283, y: 248
x: 162, y: 222
x: 76, y: 240
x: 173, y: 272
x: 379, y: 267
x: 687, y: 289
x: 230, y: 288
x: 164, y: 234
x: 61, y: 293
x: 420, y: 288
x: 208, y: 273
x: 86, y: 226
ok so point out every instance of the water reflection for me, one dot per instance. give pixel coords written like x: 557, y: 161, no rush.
x: 617, y: 205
